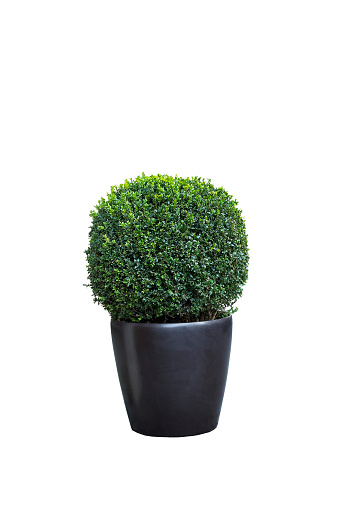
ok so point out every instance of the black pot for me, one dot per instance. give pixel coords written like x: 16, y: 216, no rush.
x: 173, y: 376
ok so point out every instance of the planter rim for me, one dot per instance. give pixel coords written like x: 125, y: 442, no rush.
x: 174, y: 324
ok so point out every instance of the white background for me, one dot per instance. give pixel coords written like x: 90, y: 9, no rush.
x: 245, y: 93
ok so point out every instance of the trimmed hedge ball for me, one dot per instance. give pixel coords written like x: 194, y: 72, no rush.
x: 167, y: 249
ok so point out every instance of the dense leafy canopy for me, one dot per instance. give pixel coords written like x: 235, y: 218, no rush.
x: 167, y: 249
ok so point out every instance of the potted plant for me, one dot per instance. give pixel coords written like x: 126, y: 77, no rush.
x: 168, y: 258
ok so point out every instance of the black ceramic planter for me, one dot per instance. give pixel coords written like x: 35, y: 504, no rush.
x: 173, y: 376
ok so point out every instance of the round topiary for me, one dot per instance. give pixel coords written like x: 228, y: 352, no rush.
x: 167, y: 249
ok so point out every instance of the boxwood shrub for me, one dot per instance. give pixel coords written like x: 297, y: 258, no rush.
x: 167, y: 249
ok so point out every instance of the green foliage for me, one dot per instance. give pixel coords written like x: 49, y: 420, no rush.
x: 167, y: 249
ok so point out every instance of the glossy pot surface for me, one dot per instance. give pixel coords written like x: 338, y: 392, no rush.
x: 173, y: 376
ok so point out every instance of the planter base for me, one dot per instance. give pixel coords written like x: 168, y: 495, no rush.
x: 191, y: 433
